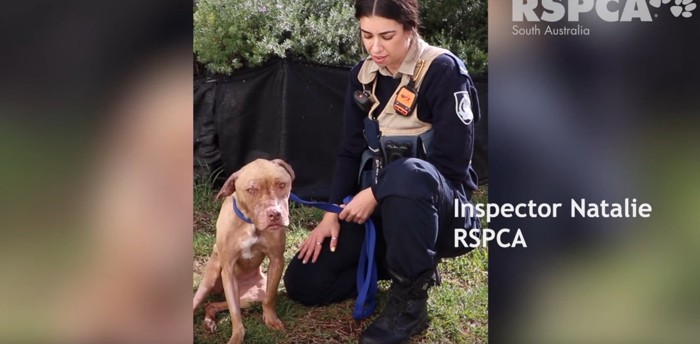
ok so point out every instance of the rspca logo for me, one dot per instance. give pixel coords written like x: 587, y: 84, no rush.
x: 463, y: 107
x: 607, y: 10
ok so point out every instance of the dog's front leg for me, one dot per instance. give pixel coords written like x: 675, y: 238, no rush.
x: 274, y: 274
x: 231, y: 290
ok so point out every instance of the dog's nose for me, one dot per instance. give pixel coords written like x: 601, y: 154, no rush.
x: 273, y: 215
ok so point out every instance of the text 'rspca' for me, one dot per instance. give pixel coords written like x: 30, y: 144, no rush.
x: 607, y: 10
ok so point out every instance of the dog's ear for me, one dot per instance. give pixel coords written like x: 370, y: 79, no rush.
x: 286, y: 166
x: 229, y: 186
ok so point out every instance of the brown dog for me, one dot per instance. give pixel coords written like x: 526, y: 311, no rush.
x: 262, y: 195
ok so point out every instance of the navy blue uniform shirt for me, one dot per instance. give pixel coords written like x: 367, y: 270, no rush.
x: 438, y: 103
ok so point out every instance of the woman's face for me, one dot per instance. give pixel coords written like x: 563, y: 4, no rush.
x: 385, y: 40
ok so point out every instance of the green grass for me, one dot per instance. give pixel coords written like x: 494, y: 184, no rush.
x: 457, y: 308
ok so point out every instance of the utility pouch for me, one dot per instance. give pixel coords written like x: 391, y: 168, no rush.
x: 389, y: 148
x: 397, y: 147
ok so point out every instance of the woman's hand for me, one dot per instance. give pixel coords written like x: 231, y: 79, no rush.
x: 311, y: 247
x: 360, y: 208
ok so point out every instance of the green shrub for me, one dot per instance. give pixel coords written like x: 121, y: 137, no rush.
x: 232, y: 34
x: 460, y: 26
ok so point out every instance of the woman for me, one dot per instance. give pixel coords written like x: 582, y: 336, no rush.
x: 425, y: 107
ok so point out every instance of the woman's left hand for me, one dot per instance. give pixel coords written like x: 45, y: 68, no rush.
x: 360, y: 208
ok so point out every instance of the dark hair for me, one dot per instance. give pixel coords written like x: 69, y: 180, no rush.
x: 405, y: 12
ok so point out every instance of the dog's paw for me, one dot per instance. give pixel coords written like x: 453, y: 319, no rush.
x: 209, y: 324
x: 273, y: 322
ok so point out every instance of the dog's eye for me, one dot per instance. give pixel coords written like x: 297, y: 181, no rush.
x: 282, y: 185
x: 251, y: 191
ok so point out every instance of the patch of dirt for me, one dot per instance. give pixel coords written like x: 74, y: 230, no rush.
x: 202, y: 221
x: 198, y: 269
x: 309, y: 224
x: 335, y: 323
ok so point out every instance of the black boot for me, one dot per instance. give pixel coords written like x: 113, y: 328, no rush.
x: 406, y: 313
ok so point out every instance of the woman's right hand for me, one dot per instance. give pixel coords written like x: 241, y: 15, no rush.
x: 311, y: 247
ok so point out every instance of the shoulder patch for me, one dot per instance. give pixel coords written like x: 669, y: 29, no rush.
x: 463, y: 107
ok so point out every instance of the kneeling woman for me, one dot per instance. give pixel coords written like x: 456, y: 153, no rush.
x: 411, y: 199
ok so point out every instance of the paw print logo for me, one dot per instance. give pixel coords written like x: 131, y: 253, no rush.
x: 684, y: 8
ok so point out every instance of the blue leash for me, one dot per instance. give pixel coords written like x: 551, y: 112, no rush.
x: 367, y: 268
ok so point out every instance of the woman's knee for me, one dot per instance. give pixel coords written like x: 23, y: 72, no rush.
x: 408, y: 177
x: 311, y: 285
x: 298, y: 284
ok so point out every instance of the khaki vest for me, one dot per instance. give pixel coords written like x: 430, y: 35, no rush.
x: 390, y: 122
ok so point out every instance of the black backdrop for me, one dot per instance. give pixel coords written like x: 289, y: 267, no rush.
x: 288, y: 110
